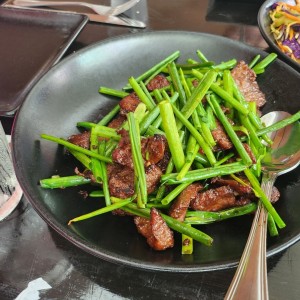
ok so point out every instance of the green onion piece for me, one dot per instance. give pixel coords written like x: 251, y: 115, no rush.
x: 177, y: 83
x: 145, y: 90
x: 156, y: 69
x: 260, y: 193
x: 186, y: 244
x: 96, y: 194
x: 169, y: 126
x: 201, y: 56
x: 205, y: 173
x: 105, y: 120
x: 152, y: 116
x: 101, y: 211
x: 206, y: 217
x: 260, y: 67
x: 225, y: 65
x: 198, y: 94
x: 231, y: 133
x: 205, y: 147
x: 141, y: 94
x: 279, y: 124
x: 272, y: 228
x: 138, y: 162
x: 112, y: 92
x: 224, y: 95
x: 254, y: 61
x: 84, y: 159
x: 104, y: 176
x: 174, y: 193
x: 57, y: 182
x: 95, y: 163
x: 75, y: 147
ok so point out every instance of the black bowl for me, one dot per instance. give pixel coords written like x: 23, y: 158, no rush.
x: 264, y: 22
x: 68, y: 93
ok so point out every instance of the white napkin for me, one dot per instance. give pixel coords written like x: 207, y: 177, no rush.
x: 32, y: 290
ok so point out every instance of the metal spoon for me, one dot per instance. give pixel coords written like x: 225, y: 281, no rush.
x: 250, y: 280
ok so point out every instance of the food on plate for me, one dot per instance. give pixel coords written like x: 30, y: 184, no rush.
x: 182, y: 148
x: 285, y: 27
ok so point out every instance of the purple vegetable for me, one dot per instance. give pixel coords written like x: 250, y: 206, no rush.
x: 274, y: 5
x: 294, y: 45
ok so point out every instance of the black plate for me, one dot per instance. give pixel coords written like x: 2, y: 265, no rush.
x: 69, y: 93
x: 31, y: 42
x: 264, y: 22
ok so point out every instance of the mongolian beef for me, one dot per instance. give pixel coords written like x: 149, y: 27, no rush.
x: 182, y: 140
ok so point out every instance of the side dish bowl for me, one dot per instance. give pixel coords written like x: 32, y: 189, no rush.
x: 68, y: 93
x: 264, y: 22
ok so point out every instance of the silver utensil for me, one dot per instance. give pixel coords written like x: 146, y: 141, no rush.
x: 250, y: 280
x: 10, y: 191
x: 121, y: 21
x: 99, y: 9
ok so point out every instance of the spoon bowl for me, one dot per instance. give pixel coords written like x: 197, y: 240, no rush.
x: 284, y: 154
x: 250, y: 280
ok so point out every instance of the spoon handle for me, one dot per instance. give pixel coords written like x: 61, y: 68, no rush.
x: 250, y: 280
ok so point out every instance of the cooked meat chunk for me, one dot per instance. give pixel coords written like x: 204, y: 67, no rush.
x: 122, y: 153
x: 158, y: 82
x: 159, y: 236
x: 181, y: 204
x: 275, y: 195
x: 214, y: 199
x: 245, y: 79
x: 81, y: 139
x: 117, y: 122
x: 155, y: 149
x: 143, y: 226
x: 250, y: 153
x: 121, y: 213
x: 153, y: 174
x: 162, y: 236
x: 243, y: 200
x: 120, y: 181
x: 163, y: 163
x: 129, y: 103
x: 237, y: 187
x: 221, y: 138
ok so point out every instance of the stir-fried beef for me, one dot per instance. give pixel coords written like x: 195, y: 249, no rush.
x: 120, y: 181
x: 214, y: 199
x: 155, y: 149
x: 250, y: 153
x: 159, y: 236
x: 181, y: 204
x: 158, y: 82
x: 129, y: 103
x: 163, y: 163
x: 237, y: 187
x: 245, y: 79
x: 117, y: 122
x: 122, y: 154
x: 221, y: 138
x: 153, y: 174
x: 143, y: 226
x: 81, y: 139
